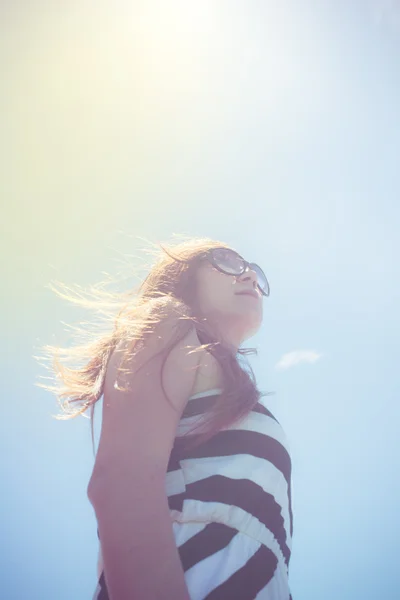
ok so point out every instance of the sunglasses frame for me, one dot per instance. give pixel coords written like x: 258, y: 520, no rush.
x: 246, y: 266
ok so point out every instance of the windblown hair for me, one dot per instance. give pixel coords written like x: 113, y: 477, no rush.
x: 134, y: 316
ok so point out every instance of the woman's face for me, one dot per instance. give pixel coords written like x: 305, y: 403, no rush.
x: 233, y: 303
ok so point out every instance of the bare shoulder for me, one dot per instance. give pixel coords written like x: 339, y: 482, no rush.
x: 140, y: 419
x: 175, y: 343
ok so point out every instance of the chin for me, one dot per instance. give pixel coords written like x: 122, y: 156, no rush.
x: 252, y: 332
x: 252, y: 327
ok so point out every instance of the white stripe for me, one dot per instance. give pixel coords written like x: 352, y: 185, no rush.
x: 264, y: 424
x: 100, y: 564
x: 195, y: 511
x: 212, y: 571
x: 242, y: 466
x: 184, y: 531
x: 254, y: 421
x: 207, y: 393
x: 174, y: 483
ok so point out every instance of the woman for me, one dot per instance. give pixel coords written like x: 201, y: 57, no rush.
x: 191, y: 482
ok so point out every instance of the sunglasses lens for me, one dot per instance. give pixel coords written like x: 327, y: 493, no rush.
x: 261, y: 278
x: 228, y: 261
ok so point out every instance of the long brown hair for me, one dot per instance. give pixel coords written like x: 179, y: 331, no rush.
x: 134, y: 316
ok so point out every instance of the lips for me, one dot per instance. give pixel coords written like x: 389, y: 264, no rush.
x: 252, y: 293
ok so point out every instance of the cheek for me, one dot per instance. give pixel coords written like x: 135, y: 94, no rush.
x: 260, y: 315
x: 215, y: 290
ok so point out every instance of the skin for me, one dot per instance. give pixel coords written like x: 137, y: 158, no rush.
x: 138, y: 546
x: 235, y: 317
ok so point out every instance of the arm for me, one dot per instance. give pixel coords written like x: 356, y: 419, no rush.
x: 127, y: 487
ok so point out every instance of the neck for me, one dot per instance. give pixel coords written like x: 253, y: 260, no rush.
x: 230, y: 337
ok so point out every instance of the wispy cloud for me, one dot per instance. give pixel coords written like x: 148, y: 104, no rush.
x: 291, y: 359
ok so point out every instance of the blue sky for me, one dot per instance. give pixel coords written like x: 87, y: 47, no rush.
x: 273, y: 126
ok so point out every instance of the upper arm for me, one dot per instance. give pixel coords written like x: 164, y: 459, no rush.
x: 139, y: 425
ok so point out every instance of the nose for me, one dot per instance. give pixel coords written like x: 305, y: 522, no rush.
x: 249, y: 275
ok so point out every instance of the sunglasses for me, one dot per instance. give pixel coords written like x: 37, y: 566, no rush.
x: 229, y: 262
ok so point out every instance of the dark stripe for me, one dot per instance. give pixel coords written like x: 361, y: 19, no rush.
x: 213, y: 538
x: 248, y: 496
x: 290, y: 508
x: 198, y: 406
x: 247, y: 581
x: 231, y: 442
x: 173, y: 462
x: 176, y: 502
x: 103, y: 594
x: 260, y: 408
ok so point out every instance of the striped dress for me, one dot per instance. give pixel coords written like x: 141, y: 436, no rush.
x: 230, y: 506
